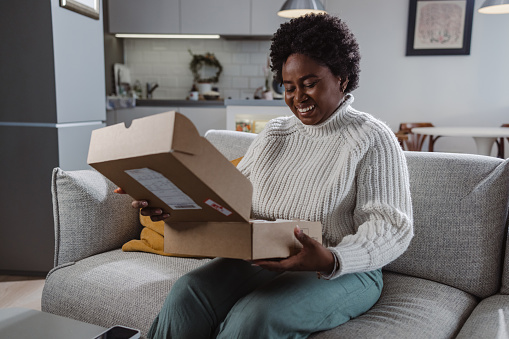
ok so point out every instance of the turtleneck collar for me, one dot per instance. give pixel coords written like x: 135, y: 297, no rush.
x: 329, y: 126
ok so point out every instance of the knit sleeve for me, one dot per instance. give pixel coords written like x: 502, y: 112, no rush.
x: 383, y: 212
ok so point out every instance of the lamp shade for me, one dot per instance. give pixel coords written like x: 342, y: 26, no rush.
x: 296, y: 8
x: 495, y: 7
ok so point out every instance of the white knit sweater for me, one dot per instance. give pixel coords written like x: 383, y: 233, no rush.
x: 348, y: 172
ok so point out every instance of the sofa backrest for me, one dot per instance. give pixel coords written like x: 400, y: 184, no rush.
x: 460, y: 213
x: 231, y: 144
x: 460, y: 204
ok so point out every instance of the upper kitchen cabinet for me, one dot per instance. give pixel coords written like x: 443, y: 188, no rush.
x: 147, y: 16
x: 264, y: 18
x: 227, y: 17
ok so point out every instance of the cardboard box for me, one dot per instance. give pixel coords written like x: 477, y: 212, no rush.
x: 163, y: 159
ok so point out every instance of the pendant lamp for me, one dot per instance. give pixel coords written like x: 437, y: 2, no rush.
x: 296, y: 8
x: 495, y: 7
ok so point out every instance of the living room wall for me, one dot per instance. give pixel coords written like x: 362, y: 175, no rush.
x: 466, y: 90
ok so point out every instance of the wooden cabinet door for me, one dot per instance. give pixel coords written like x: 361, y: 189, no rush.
x: 144, y: 16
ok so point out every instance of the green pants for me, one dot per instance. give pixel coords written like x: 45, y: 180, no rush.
x: 229, y: 298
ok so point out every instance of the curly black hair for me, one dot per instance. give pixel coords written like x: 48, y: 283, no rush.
x: 322, y: 37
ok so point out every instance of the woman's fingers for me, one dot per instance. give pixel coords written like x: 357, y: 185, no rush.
x: 160, y: 217
x: 312, y: 257
x: 139, y: 204
x: 155, y: 213
x: 151, y: 211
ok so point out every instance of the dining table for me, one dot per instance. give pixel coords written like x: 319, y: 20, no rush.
x: 484, y: 137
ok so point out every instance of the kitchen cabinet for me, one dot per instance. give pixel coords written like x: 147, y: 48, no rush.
x: 264, y: 18
x: 126, y: 115
x: 148, y: 16
x: 204, y: 118
x: 227, y: 17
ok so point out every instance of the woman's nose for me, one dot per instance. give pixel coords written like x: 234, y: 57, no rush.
x: 300, y: 95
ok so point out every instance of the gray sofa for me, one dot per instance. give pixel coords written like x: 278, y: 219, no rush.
x: 451, y: 282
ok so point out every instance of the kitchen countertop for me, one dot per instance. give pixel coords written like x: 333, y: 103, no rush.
x: 207, y: 103
x: 254, y: 102
x: 179, y: 103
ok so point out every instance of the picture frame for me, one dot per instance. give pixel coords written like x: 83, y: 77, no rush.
x: 439, y: 27
x: 88, y: 8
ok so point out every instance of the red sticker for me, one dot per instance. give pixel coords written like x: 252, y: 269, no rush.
x: 218, y: 207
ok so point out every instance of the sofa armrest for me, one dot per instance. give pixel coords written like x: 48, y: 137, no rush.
x: 231, y: 144
x: 89, y: 218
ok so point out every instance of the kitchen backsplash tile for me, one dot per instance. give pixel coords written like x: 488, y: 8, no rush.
x: 166, y: 61
x: 251, y: 70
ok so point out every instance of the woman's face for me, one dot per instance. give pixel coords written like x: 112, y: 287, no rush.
x: 311, y: 90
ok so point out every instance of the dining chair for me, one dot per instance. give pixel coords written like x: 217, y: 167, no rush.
x: 414, y: 141
x: 500, y: 144
x: 402, y: 137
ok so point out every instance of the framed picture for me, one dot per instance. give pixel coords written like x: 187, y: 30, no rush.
x: 89, y: 8
x: 439, y: 27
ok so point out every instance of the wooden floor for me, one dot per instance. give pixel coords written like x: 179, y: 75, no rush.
x: 17, y: 291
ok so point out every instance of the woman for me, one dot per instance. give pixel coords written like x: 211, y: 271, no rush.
x: 327, y: 163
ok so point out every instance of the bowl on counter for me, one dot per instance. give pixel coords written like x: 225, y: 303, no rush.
x: 211, y: 95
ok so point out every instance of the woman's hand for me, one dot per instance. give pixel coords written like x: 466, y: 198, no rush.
x: 312, y: 257
x: 155, y: 213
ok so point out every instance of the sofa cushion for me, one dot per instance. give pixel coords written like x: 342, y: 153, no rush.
x: 484, y: 320
x: 460, y: 210
x: 129, y: 289
x: 114, y: 288
x: 409, y: 307
x: 89, y: 217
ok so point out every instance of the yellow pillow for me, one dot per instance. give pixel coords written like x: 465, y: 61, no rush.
x: 152, y: 235
x: 235, y: 162
x: 151, y: 238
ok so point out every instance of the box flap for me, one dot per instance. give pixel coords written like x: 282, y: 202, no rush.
x: 167, y: 132
x: 163, y: 159
x: 232, y: 190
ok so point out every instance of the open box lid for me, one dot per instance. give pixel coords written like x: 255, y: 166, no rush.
x: 163, y: 159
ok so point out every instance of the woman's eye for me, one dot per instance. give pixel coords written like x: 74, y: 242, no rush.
x: 289, y: 89
x: 311, y: 85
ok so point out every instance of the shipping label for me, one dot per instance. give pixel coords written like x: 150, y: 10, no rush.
x: 163, y: 188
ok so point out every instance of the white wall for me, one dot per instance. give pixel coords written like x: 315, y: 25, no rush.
x: 467, y: 90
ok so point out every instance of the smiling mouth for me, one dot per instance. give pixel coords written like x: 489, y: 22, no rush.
x: 305, y: 109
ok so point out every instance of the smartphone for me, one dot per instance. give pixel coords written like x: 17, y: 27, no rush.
x: 119, y: 332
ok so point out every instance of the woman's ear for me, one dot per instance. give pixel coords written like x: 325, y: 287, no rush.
x: 344, y: 85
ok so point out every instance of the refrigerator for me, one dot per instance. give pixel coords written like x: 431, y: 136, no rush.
x: 53, y: 95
